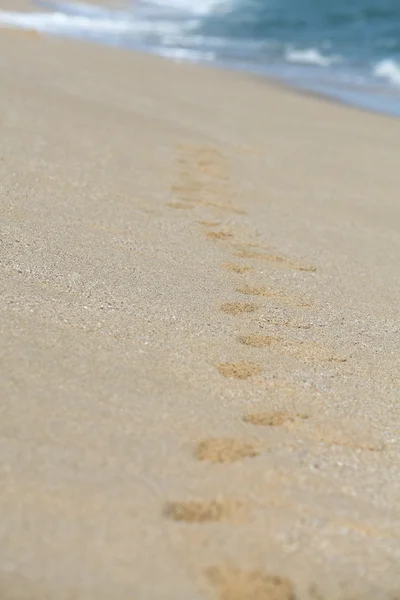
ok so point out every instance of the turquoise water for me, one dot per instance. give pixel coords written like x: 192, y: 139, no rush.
x: 348, y: 50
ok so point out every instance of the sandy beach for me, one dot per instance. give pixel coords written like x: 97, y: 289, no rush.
x: 199, y: 334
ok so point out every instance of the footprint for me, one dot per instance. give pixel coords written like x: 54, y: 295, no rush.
x: 330, y: 432
x: 180, y: 205
x: 212, y: 170
x: 194, y: 511
x: 225, y: 450
x: 223, y: 207
x: 277, y: 418
x: 248, y: 245
x: 210, y: 162
x: 339, y: 433
x: 239, y: 370
x: 219, y: 235
x: 209, y: 223
x: 209, y: 151
x: 191, y: 191
x: 236, y: 268
x: 276, y: 260
x: 265, y: 292
x: 186, y: 187
x: 304, y: 351
x: 238, y: 584
x: 204, y: 178
x: 238, y: 308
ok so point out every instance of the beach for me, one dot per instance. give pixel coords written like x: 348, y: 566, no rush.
x: 200, y: 336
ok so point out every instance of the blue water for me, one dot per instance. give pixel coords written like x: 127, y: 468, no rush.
x: 346, y: 49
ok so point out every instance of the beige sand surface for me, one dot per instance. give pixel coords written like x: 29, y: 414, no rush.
x: 155, y: 444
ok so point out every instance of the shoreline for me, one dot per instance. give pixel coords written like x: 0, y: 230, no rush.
x: 377, y: 98
x: 199, y: 334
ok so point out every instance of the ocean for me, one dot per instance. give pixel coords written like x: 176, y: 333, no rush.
x: 348, y: 50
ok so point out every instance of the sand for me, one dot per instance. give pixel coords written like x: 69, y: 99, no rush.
x: 137, y: 411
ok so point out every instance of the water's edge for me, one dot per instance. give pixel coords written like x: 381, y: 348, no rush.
x: 162, y: 27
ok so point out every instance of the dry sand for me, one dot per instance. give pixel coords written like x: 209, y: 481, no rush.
x: 149, y: 451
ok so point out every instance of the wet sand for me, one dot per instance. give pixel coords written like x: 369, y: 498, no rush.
x: 200, y: 340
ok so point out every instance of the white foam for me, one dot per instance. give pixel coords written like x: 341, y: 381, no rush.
x: 194, y: 7
x: 388, y: 69
x: 310, y: 56
x: 145, y: 19
x: 62, y: 23
x: 180, y: 54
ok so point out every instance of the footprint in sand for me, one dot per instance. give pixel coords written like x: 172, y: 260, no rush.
x: 239, y: 370
x: 194, y: 511
x: 180, y: 205
x: 265, y: 292
x: 238, y: 308
x: 274, y: 259
x: 239, y: 584
x: 336, y: 432
x: 203, y: 179
x: 219, y: 235
x: 237, y: 268
x: 225, y: 450
x: 304, y: 351
x: 207, y: 160
x: 332, y: 432
x: 209, y: 152
x: 276, y: 418
x: 209, y: 223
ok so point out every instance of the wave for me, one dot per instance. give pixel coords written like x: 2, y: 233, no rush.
x: 388, y: 69
x: 194, y: 7
x: 158, y: 22
x: 310, y: 56
x: 63, y: 23
x: 159, y: 7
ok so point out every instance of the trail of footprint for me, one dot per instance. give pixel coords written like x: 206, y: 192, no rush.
x: 265, y: 292
x: 204, y: 181
x: 304, y: 351
x: 225, y: 450
x: 238, y: 584
x: 194, y: 511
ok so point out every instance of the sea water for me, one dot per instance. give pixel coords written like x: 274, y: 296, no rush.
x: 348, y: 50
